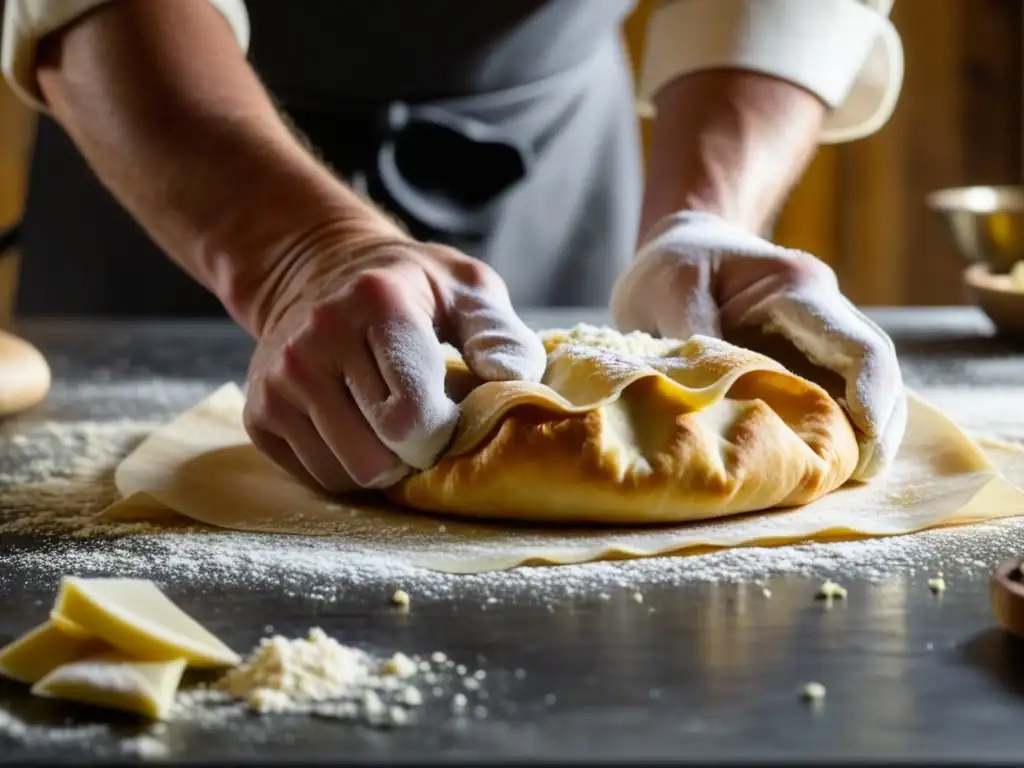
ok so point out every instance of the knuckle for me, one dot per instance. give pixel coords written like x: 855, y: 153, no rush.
x: 256, y: 421
x: 291, y: 360
x: 806, y: 266
x: 268, y: 408
x: 398, y: 420
x: 322, y: 319
x: 477, y: 275
x: 375, y: 290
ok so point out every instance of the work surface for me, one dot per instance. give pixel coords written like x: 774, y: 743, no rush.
x: 705, y: 666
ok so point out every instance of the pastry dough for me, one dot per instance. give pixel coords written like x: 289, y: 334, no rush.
x: 116, y: 681
x: 135, y: 617
x: 24, y: 375
x: 631, y: 429
x: 202, y: 466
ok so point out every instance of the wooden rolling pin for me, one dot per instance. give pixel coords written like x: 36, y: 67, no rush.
x: 24, y: 375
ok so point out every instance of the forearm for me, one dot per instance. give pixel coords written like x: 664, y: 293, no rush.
x: 731, y: 142
x: 162, y: 104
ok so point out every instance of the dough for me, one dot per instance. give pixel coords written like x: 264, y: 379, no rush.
x: 135, y: 617
x: 41, y: 650
x: 631, y: 429
x: 118, y: 682
x: 201, y: 466
x: 24, y: 375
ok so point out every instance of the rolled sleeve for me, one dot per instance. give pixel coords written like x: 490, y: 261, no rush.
x: 26, y: 22
x: 845, y: 52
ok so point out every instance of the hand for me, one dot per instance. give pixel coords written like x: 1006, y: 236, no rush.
x: 697, y: 273
x: 347, y: 383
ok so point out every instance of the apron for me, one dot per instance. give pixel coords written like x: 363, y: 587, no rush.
x: 507, y: 131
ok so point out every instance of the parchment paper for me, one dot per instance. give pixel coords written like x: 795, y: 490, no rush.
x: 202, y: 466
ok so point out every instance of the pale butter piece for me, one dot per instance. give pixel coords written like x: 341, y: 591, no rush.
x: 68, y: 627
x: 116, y: 681
x: 39, y: 651
x: 135, y: 617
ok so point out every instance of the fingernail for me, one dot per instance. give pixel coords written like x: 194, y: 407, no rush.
x: 389, y: 477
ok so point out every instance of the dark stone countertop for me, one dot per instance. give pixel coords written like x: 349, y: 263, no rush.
x: 701, y: 670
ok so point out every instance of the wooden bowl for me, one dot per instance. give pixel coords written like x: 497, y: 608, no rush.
x: 1006, y: 590
x: 998, y: 297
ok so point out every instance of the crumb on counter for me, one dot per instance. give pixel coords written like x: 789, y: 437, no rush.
x: 937, y: 584
x: 813, y: 692
x: 400, y: 598
x: 830, y: 590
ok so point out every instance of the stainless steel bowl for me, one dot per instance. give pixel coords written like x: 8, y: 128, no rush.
x: 987, y: 223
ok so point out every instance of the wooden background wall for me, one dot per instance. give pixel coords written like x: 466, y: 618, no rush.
x: 860, y: 206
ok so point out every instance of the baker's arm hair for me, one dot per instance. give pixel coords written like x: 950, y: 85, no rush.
x: 159, y: 98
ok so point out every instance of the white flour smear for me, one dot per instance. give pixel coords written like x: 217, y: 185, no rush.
x: 57, y: 474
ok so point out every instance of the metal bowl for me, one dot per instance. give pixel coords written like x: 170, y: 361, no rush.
x: 987, y: 223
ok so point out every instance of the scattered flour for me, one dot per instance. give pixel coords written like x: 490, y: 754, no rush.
x: 55, y: 474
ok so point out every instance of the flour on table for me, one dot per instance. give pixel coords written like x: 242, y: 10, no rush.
x: 57, y: 475
x: 319, y: 676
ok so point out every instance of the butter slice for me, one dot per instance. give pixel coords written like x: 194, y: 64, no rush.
x: 118, y: 682
x: 68, y: 627
x: 135, y: 617
x: 41, y: 650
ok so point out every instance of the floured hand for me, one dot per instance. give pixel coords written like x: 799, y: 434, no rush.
x: 346, y: 387
x: 697, y: 273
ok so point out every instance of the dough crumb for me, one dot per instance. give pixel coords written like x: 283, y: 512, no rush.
x: 399, y: 665
x: 397, y: 717
x: 638, y: 597
x: 813, y: 692
x: 373, y: 706
x: 400, y: 598
x: 830, y: 590
x: 459, y: 702
x: 937, y: 584
x: 766, y: 592
x: 410, y: 696
x: 438, y: 657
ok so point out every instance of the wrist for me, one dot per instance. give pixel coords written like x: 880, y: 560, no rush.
x: 267, y: 247
x: 731, y: 143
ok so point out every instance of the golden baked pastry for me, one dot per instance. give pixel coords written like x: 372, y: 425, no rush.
x: 631, y: 429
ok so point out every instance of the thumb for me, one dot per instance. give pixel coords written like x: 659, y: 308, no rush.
x: 832, y: 333
x: 495, y: 343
